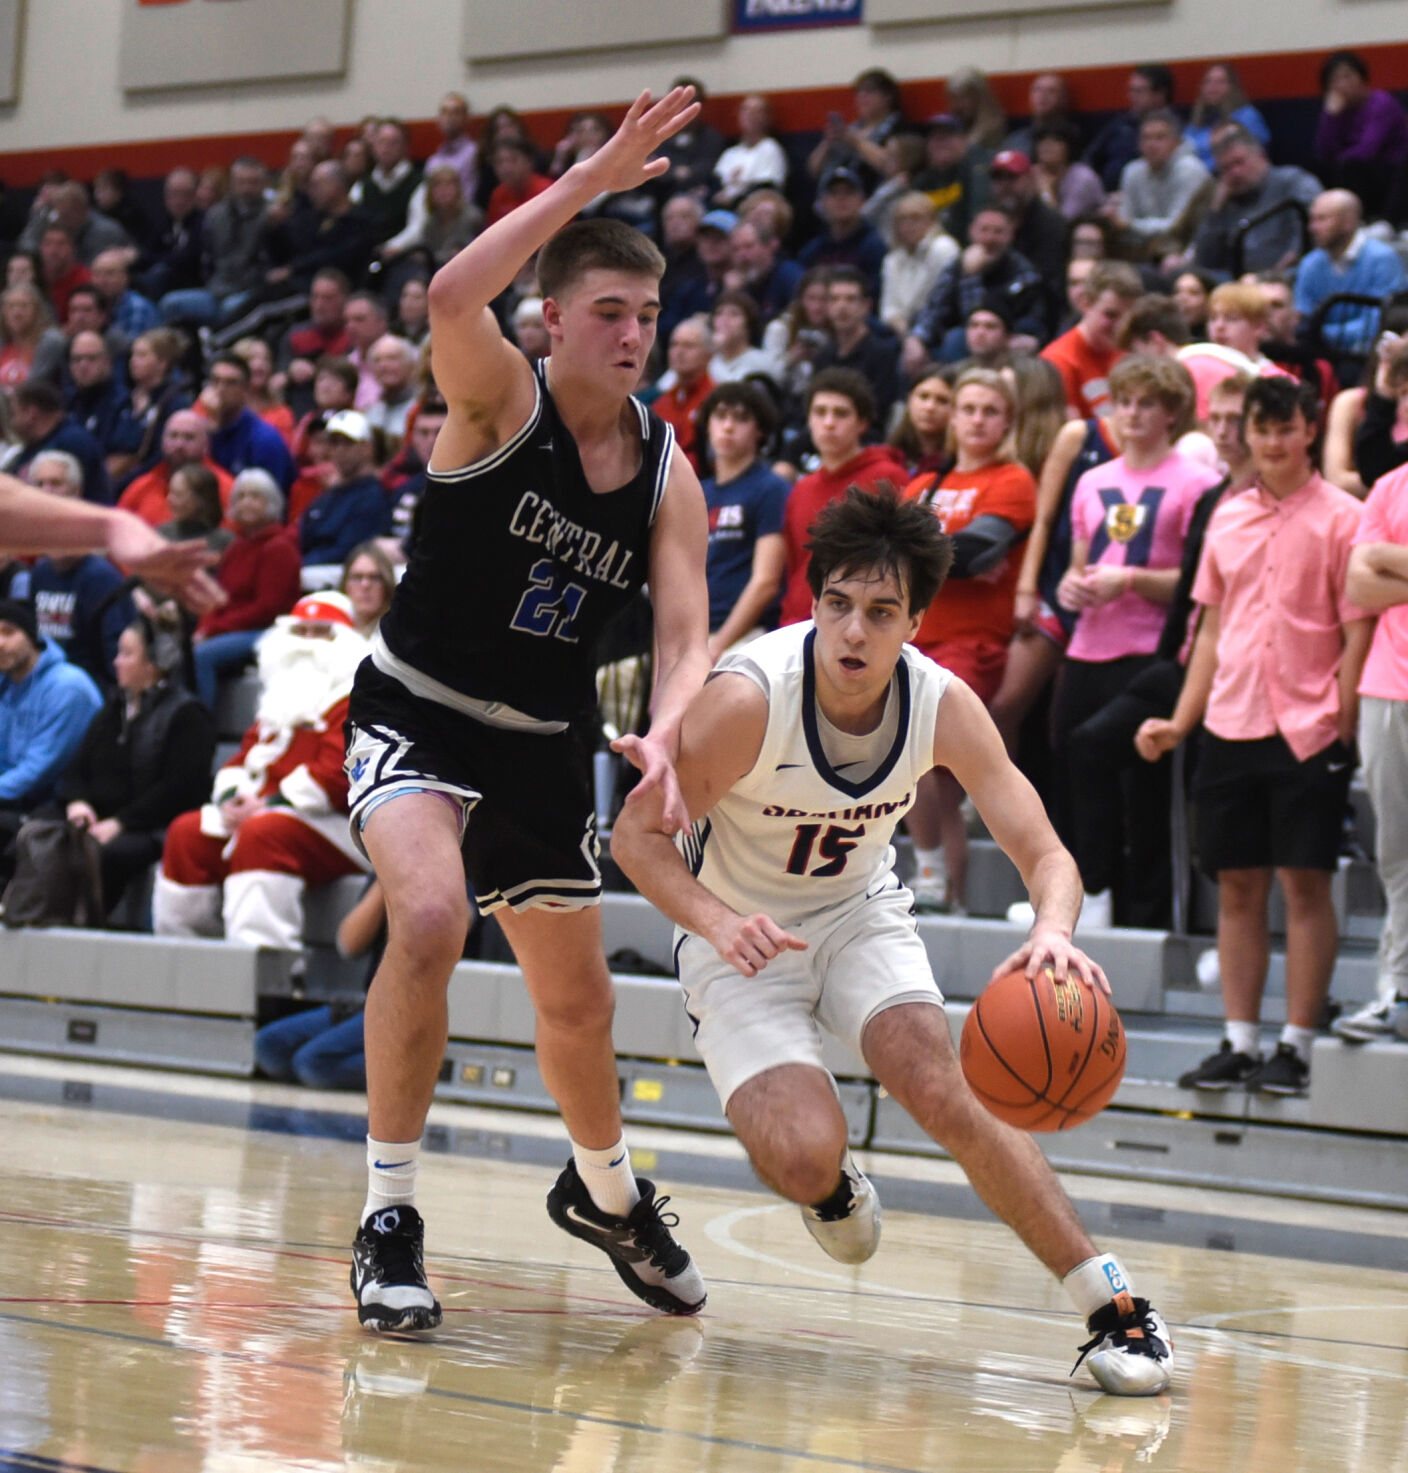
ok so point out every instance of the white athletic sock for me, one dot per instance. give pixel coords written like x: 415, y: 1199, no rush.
x: 608, y: 1177
x: 391, y: 1174
x: 1094, y: 1283
x: 929, y: 861
x: 1245, y: 1038
x: 1300, y: 1039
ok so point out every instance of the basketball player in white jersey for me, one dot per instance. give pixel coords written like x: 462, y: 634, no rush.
x: 550, y: 497
x: 798, y: 758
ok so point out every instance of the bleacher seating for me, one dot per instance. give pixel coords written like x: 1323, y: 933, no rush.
x: 195, y: 1005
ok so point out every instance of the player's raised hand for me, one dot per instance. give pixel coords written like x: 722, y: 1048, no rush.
x: 623, y: 161
x: 749, y: 943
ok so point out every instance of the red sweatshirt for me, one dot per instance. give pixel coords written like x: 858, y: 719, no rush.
x: 260, y: 573
x: 874, y: 466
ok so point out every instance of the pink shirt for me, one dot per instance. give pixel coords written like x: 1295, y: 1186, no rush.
x: 1386, y: 520
x: 1276, y: 570
x: 1132, y: 519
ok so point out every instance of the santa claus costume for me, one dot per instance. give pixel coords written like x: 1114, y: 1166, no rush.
x: 277, y: 817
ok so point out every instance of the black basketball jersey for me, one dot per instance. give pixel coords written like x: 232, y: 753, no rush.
x: 518, y: 565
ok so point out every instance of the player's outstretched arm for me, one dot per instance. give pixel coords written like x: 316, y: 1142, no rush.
x: 473, y: 364
x: 720, y: 740
x: 679, y: 600
x: 35, y: 522
x: 968, y: 744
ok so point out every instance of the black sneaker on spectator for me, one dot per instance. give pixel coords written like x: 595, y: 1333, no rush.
x: 1284, y: 1073
x: 1226, y: 1069
x: 1378, y: 1019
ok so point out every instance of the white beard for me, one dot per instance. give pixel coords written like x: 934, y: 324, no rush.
x: 301, y: 678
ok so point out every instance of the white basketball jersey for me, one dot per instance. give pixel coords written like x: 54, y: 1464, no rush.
x: 809, y: 829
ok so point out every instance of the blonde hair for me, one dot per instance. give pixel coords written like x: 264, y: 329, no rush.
x: 1242, y: 299
x: 987, y: 378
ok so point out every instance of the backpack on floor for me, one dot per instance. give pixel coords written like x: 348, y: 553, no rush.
x: 57, y: 880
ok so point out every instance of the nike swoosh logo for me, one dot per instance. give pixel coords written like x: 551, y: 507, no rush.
x: 1336, y: 766
x: 389, y: 1165
x: 781, y: 765
x: 617, y: 1161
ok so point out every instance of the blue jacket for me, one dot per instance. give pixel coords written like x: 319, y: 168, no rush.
x: 342, y: 517
x: 43, y: 719
x: 249, y: 441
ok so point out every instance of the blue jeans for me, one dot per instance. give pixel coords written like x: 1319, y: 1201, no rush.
x: 217, y: 656
x: 309, y: 1048
x: 191, y: 304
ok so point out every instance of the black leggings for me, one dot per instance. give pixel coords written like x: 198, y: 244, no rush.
x: 1112, y: 809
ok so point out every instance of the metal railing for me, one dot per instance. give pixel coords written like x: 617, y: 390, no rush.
x: 1285, y: 207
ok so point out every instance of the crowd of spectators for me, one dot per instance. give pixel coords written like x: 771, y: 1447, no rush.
x: 1046, y: 329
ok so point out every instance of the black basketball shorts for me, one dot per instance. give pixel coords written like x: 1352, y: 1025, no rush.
x: 527, y: 814
x: 1258, y: 807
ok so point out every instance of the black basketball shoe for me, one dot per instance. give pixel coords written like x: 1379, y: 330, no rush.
x: 650, y: 1263
x: 388, y: 1273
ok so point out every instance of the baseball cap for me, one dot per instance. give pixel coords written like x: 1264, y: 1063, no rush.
x: 1010, y: 161
x: 328, y: 607
x: 530, y: 309
x: 842, y: 174
x: 351, y: 425
x: 721, y: 220
x: 944, y: 123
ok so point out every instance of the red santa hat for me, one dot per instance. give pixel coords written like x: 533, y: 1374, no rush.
x: 328, y: 607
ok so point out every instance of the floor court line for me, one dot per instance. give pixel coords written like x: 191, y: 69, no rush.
x: 448, y: 1394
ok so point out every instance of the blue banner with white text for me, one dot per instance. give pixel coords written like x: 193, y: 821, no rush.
x: 790, y: 15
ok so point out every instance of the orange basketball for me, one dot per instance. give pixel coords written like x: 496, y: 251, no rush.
x: 1041, y: 1054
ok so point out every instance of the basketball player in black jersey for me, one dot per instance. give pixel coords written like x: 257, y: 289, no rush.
x: 552, y: 495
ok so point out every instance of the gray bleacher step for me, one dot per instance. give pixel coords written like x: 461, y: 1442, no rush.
x: 962, y: 950
x: 236, y: 703
x: 71, y: 1030
x: 1247, y: 1155
x: 118, y: 969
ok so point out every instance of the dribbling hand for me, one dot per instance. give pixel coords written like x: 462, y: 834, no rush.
x: 623, y: 162
x: 749, y: 943
x: 1051, y: 947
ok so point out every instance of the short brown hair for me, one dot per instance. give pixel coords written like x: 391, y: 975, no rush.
x: 1114, y: 276
x: 595, y: 245
x: 1165, y: 378
x: 1155, y: 313
x: 878, y: 531
x: 850, y: 385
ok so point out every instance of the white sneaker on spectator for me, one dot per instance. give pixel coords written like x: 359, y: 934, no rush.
x: 1097, y: 913
x: 1382, y: 1018
x: 930, y: 890
x: 1021, y: 913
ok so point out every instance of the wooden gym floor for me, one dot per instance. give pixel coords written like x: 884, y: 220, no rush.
x: 175, y: 1298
